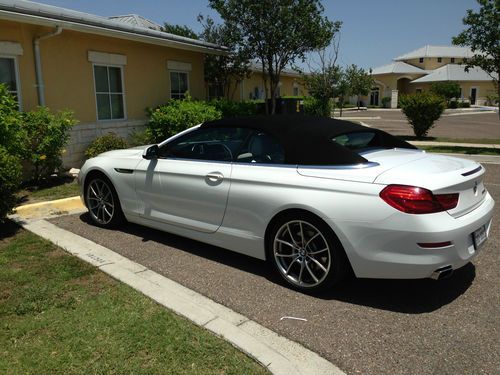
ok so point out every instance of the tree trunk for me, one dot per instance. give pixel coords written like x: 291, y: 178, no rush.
x: 357, y: 101
x: 273, y: 97
x: 266, y: 96
x: 498, y: 98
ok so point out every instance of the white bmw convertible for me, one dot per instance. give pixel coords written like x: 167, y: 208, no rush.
x: 315, y: 197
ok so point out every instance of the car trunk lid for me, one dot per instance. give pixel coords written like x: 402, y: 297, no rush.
x: 442, y: 175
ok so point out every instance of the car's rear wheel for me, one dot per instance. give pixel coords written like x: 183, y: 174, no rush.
x: 103, y: 203
x: 306, y: 252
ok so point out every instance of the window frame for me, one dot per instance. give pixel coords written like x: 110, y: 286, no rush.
x: 17, y: 77
x: 440, y: 59
x: 170, y: 81
x: 121, y: 67
x: 452, y: 60
x: 421, y: 60
x: 251, y: 132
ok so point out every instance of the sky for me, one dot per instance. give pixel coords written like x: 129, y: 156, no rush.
x: 373, y: 31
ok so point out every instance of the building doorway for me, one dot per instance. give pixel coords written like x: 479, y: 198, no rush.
x: 473, y: 95
x: 374, y: 96
x: 403, y: 85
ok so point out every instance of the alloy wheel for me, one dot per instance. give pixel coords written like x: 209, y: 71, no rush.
x: 302, y: 254
x: 100, y: 201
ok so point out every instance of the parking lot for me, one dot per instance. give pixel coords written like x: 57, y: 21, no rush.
x: 457, y: 125
x: 364, y: 326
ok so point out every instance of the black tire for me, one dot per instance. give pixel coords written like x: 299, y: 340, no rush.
x: 102, y: 202
x: 281, y: 254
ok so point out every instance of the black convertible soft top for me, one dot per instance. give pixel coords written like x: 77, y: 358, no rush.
x: 308, y: 140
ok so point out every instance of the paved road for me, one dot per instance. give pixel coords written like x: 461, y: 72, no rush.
x: 365, y: 326
x: 475, y: 126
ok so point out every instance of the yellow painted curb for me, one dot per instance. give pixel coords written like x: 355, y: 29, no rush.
x: 44, y: 209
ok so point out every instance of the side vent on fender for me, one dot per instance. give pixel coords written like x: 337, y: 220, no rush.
x: 126, y: 171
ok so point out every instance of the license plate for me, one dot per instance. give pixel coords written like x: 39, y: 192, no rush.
x: 479, y: 237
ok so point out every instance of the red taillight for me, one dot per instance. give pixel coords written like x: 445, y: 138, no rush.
x: 417, y: 200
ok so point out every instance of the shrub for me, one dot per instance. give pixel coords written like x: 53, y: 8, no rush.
x: 422, y: 110
x: 386, y: 101
x: 10, y: 179
x: 230, y: 108
x: 107, y: 142
x: 491, y: 99
x: 11, y: 133
x: 464, y: 105
x: 453, y: 104
x: 446, y: 89
x: 178, y: 115
x: 140, y: 138
x: 46, y: 136
x: 317, y: 107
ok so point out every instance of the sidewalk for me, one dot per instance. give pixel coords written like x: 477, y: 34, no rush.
x: 276, y: 353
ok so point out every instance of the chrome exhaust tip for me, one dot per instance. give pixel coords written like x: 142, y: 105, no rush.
x: 442, y: 273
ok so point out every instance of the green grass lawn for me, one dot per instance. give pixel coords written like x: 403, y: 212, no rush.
x: 56, y: 189
x: 461, y: 150
x: 61, y: 315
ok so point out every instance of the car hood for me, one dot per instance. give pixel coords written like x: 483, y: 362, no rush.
x: 125, y: 153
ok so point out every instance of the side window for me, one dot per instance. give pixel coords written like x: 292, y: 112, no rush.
x: 8, y: 75
x: 261, y: 148
x: 356, y: 141
x: 179, y: 85
x: 109, y: 92
x: 217, y: 144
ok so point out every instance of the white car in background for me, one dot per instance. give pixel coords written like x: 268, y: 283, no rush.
x: 315, y: 197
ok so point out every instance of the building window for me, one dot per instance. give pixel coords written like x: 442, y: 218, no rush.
x: 9, y: 77
x: 418, y: 91
x: 452, y: 60
x: 440, y: 59
x: 109, y: 92
x: 421, y: 60
x: 178, y: 85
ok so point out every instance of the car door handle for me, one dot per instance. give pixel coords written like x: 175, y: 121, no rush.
x: 214, y: 178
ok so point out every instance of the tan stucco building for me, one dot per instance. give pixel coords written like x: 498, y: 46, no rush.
x: 415, y: 72
x: 253, y: 87
x: 106, y: 70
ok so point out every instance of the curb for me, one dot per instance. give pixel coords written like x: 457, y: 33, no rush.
x: 278, y: 354
x: 50, y: 208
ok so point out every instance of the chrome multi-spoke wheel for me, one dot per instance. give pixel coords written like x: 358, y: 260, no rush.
x: 302, y: 253
x: 101, y: 201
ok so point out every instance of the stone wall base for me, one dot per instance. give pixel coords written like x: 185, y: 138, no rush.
x: 83, y: 134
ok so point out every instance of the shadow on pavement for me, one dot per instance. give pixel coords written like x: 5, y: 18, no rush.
x: 404, y: 296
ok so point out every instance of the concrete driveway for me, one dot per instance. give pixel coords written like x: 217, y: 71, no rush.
x: 365, y: 326
x: 453, y: 125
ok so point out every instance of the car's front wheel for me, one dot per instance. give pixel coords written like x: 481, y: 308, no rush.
x: 103, y: 203
x: 306, y: 252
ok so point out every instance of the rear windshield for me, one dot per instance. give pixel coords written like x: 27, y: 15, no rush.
x: 359, y: 141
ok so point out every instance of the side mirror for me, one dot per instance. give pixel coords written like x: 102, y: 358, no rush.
x: 151, y: 152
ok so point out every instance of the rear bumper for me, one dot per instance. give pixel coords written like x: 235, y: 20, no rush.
x: 388, y: 248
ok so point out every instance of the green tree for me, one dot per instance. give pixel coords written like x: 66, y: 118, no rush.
x: 225, y: 70
x: 482, y: 35
x: 360, y: 81
x: 180, y: 30
x: 342, y: 89
x: 276, y: 33
x: 446, y: 89
x: 320, y: 82
x: 422, y: 111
